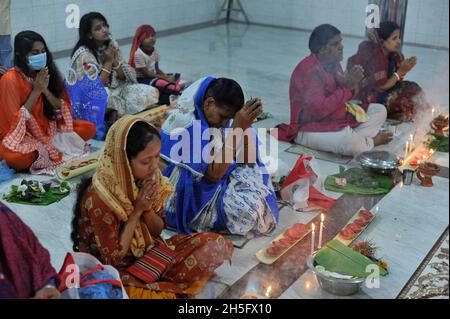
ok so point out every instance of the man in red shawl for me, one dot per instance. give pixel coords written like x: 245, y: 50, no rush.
x: 323, y: 115
x: 25, y: 269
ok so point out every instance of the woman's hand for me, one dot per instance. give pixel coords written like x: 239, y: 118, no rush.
x: 48, y: 292
x: 407, y: 66
x: 110, y: 53
x: 247, y: 115
x: 146, y: 195
x: 42, y: 80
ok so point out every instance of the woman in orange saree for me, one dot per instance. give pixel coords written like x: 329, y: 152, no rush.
x: 119, y: 215
x: 35, y: 108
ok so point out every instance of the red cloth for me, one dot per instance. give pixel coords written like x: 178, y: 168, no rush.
x: 143, y: 32
x: 374, y: 60
x: 317, y: 98
x: 302, y: 170
x: 23, y: 260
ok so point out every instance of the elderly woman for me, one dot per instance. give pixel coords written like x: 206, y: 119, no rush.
x: 119, y: 216
x: 221, y: 184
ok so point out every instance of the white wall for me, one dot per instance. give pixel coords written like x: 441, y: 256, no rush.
x: 427, y: 21
x: 48, y: 17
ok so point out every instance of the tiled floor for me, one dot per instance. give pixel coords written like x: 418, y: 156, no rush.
x: 262, y: 59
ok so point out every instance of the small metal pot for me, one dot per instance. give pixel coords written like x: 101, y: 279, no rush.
x: 408, y: 176
x: 336, y: 286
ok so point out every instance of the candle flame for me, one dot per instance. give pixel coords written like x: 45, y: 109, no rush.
x: 322, y: 217
x: 269, y: 289
x: 313, y: 227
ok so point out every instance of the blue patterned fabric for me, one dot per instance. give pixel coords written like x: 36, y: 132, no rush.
x: 100, y: 290
x: 195, y: 196
x: 89, y: 99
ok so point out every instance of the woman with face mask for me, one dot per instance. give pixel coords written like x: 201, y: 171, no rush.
x: 98, y: 55
x: 385, y: 69
x: 36, y: 127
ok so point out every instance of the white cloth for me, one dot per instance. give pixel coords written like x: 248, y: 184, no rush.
x: 183, y: 116
x: 70, y: 144
x: 347, y: 141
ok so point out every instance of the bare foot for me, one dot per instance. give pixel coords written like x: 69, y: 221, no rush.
x: 382, y: 138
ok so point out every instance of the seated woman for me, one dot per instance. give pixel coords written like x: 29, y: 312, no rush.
x: 324, y: 116
x: 36, y: 127
x: 119, y: 214
x: 385, y: 68
x: 25, y: 268
x: 97, y: 52
x: 216, y: 188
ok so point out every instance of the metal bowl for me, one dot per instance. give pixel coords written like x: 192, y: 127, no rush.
x: 380, y: 161
x: 335, y: 286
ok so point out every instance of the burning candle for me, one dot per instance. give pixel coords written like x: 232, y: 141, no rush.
x: 322, y: 218
x: 432, y: 112
x: 313, y: 235
x: 406, y: 152
x: 411, y: 139
x: 269, y: 289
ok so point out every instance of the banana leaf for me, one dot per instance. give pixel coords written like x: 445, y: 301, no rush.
x: 336, y: 257
x: 359, y: 181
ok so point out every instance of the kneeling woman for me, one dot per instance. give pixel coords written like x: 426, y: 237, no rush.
x: 216, y: 188
x: 36, y: 127
x: 119, y: 215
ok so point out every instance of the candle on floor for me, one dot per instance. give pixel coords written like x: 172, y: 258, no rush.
x: 269, y: 289
x: 411, y: 139
x: 313, y: 235
x: 322, y: 218
x: 406, y: 153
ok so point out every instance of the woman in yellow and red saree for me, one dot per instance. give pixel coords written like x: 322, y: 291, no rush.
x: 119, y: 215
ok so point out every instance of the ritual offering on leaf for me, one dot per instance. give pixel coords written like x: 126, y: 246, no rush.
x: 358, y: 180
x: 282, y: 243
x: 78, y: 166
x: 32, y: 192
x: 341, y: 270
x: 356, y: 225
x: 337, y: 258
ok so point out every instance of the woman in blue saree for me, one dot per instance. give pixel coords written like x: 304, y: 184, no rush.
x: 221, y: 183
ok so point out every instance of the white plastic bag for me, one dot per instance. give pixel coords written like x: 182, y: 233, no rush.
x: 85, y: 262
x: 297, y: 186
